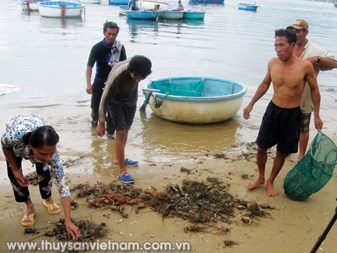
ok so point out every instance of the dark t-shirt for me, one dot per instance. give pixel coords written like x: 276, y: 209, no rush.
x: 101, y: 54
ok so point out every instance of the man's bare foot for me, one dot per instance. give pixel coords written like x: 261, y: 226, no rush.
x: 271, y: 192
x: 252, y: 186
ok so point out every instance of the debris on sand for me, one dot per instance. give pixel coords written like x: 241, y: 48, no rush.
x: 34, y: 178
x: 30, y: 231
x: 205, y: 203
x: 243, y: 151
x: 89, y: 231
x: 230, y: 243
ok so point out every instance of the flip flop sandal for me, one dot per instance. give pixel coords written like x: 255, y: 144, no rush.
x: 52, y: 208
x: 28, y: 220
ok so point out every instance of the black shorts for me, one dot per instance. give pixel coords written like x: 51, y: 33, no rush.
x: 122, y: 116
x: 280, y: 126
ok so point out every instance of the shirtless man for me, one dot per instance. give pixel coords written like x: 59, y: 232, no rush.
x: 281, y: 121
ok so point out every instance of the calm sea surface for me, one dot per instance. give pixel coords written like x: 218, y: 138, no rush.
x: 43, y: 61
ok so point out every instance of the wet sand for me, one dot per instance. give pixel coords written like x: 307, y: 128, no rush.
x: 291, y: 227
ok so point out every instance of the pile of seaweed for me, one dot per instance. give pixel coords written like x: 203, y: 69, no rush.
x: 198, y: 202
x: 89, y: 230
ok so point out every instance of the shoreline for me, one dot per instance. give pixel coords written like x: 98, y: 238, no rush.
x: 292, y: 226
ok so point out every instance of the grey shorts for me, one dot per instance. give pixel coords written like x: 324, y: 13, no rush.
x: 305, y: 122
x: 122, y: 116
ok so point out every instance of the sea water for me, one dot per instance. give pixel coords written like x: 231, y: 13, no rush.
x: 43, y: 62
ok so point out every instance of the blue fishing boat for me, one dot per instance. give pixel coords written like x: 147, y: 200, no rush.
x: 194, y: 100
x: 56, y: 9
x: 247, y: 7
x: 196, y: 2
x: 118, y: 2
x: 141, y: 14
x: 194, y: 14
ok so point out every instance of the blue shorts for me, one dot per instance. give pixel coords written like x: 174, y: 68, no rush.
x: 280, y: 126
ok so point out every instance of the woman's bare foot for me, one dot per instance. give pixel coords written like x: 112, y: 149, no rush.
x: 252, y: 186
x: 271, y: 192
x: 30, y: 207
x: 49, y: 200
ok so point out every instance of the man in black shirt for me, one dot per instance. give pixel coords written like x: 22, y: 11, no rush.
x: 105, y: 54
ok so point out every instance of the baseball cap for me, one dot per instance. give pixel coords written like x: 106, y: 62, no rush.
x: 299, y: 24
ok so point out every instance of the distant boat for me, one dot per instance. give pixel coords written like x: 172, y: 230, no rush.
x: 170, y: 14
x: 123, y: 9
x: 195, y: 100
x: 30, y: 5
x: 141, y: 14
x: 60, y: 9
x: 90, y: 1
x: 196, y: 2
x: 152, y: 4
x: 194, y: 14
x: 247, y: 7
x: 118, y: 2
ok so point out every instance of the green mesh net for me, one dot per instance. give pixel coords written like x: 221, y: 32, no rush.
x: 313, y: 171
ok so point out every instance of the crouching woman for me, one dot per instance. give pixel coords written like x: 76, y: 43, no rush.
x: 32, y: 138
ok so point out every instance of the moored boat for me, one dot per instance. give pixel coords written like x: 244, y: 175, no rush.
x: 90, y: 1
x: 30, y: 5
x: 195, y: 100
x: 194, y: 14
x: 153, y: 4
x: 118, y: 2
x: 247, y: 7
x: 60, y: 9
x: 141, y: 14
x: 123, y: 9
x: 196, y: 2
x: 170, y: 14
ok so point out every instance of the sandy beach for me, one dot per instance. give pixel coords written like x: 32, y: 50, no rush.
x: 44, y: 73
x: 291, y: 226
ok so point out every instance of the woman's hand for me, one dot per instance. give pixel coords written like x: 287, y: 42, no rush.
x: 73, y: 230
x: 22, y: 180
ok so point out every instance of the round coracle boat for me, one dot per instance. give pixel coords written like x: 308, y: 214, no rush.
x: 195, y: 100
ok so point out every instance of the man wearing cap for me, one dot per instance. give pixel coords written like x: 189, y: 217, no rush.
x: 321, y: 60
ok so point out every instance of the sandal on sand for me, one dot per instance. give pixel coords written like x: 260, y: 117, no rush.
x: 28, y: 220
x: 52, y: 208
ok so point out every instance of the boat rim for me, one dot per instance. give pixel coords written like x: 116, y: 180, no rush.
x: 199, y: 99
x: 56, y: 4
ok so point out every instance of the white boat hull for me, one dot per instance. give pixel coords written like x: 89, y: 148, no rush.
x: 90, y: 1
x: 57, y: 11
x: 197, y: 113
x: 171, y: 14
x: 29, y: 6
x: 151, y: 4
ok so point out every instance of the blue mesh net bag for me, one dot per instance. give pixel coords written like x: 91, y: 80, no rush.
x: 313, y: 171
